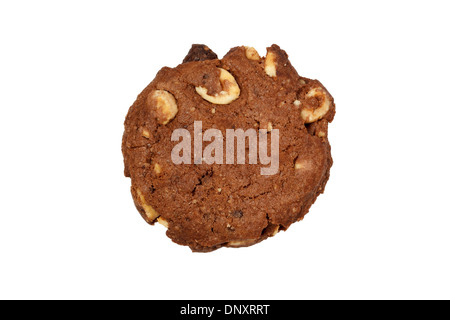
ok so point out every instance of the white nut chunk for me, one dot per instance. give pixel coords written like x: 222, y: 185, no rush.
x: 270, y: 64
x: 157, y: 168
x: 312, y: 115
x: 241, y: 243
x: 252, y: 54
x: 165, y: 105
x: 275, y: 231
x: 230, y: 89
x: 145, y: 133
x: 163, y: 221
x: 149, y: 211
x: 302, y: 164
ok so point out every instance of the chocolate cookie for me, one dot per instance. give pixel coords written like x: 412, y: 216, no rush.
x: 228, y: 152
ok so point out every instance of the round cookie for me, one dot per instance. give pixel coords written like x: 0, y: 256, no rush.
x: 208, y: 205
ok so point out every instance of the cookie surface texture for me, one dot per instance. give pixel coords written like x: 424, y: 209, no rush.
x: 208, y: 204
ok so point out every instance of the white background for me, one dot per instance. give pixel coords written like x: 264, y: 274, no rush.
x: 69, y: 70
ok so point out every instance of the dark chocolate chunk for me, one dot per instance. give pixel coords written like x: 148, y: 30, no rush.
x: 199, y: 52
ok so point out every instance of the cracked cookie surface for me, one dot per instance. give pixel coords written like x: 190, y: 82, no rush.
x: 208, y: 206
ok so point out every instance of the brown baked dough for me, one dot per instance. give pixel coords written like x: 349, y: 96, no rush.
x: 208, y: 206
